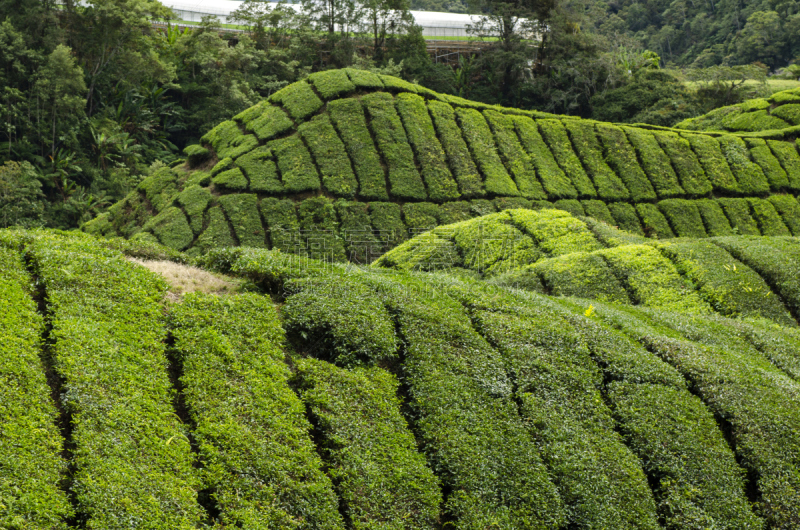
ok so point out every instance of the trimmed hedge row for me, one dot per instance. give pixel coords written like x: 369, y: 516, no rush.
x: 383, y: 482
x: 31, y: 445
x: 261, y: 171
x: 655, y: 163
x: 329, y: 152
x: 581, y: 274
x: 299, y: 99
x: 692, y: 177
x: 131, y: 458
x: 714, y: 163
x: 332, y: 83
x: 555, y: 135
x: 749, y: 176
x: 653, y: 221
x: 272, y: 122
x: 481, y: 144
x: 258, y: 461
x: 518, y: 162
x: 787, y: 155
x: 242, y: 211
x: 555, y: 232
x: 466, y: 174
x: 171, y: 228
x: 555, y: 181
x: 771, y: 166
x: 620, y: 155
x: 360, y: 241
x: 608, y: 184
x: 491, y: 244
x: 684, y: 217
x: 297, y: 168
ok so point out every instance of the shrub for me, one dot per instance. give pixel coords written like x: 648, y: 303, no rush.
x: 251, y: 113
x: 570, y: 205
x: 231, y: 180
x: 555, y: 182
x: 420, y: 216
x: 491, y: 245
x: 196, y: 154
x: 319, y: 230
x: 271, y: 123
x: 654, y: 223
x: 769, y: 164
x: 160, y: 188
x: 716, y: 167
x: 611, y: 236
x: 506, y: 203
x: 622, y: 158
x: 404, y: 179
x: 555, y: 135
x: 519, y: 163
x: 296, y: 165
x: 555, y: 231
x: 483, y: 206
x: 171, y: 228
x: 714, y: 219
x: 608, y: 185
x: 30, y: 442
x: 483, y: 149
x: 599, y: 211
x: 388, y: 224
x: 364, y: 78
x: 759, y: 120
x: 261, y: 171
x: 581, y: 274
x: 356, y: 230
x: 330, y: 155
x: 652, y: 280
x: 789, y: 210
x: 655, y: 163
x: 242, y: 210
x: 455, y: 212
x: 348, y: 117
x: 223, y: 165
x: 108, y: 335
x: 684, y: 217
x: 195, y: 200
x: 247, y: 417
x: 789, y: 113
x: 749, y: 176
x: 395, y: 84
x: 299, y: 99
x: 433, y: 164
x: 687, y: 166
x: 217, y: 234
x: 426, y: 252
x: 769, y: 222
x: 331, y: 83
x: 458, y: 156
x: 626, y: 218
x: 731, y: 287
x: 738, y: 213
x: 786, y: 153
x: 382, y: 480
x: 280, y: 216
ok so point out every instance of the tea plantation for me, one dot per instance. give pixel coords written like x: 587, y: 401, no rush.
x: 766, y: 115
x: 334, y: 396
x: 348, y: 164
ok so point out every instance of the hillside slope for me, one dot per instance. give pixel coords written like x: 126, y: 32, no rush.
x: 348, y: 164
x: 552, y: 252
x: 779, y: 111
x: 516, y: 410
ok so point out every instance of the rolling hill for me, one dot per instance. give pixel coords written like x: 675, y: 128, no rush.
x: 335, y: 396
x: 348, y: 164
x: 779, y: 111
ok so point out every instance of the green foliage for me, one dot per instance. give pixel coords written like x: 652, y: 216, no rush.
x: 331, y: 83
x: 21, y: 196
x: 626, y: 218
x: 652, y: 280
x: 714, y: 163
x: 246, y: 416
x: 297, y: 168
x: 456, y: 211
x: 655, y: 163
x: 572, y: 206
x: 608, y: 185
x: 738, y: 213
x: 750, y: 177
x: 242, y: 211
x: 261, y: 171
x: 555, y: 182
x: 731, y: 287
x: 223, y: 165
x: 684, y: 217
x: 271, y: 122
x: 556, y: 137
x: 171, y: 228
x: 714, y: 219
x: 760, y: 120
x: 520, y: 165
x: 426, y: 252
x: 687, y: 166
x: 364, y: 78
x: 231, y: 180
x: 330, y: 155
x: 319, y: 230
x: 789, y: 210
x: 501, y: 203
x: 599, y: 211
x: 786, y: 153
x: 217, y: 234
x: 108, y: 349
x: 621, y: 156
x: 769, y: 164
x: 280, y: 217
x: 356, y: 229
x: 160, y: 188
x: 30, y: 443
x: 482, y: 147
x: 420, y: 216
x: 348, y: 117
x: 458, y: 155
x: 433, y: 164
x: 581, y: 274
x: 395, y: 84
x: 404, y: 179
x: 491, y: 244
x: 654, y: 223
x: 388, y: 224
x: 555, y: 232
x: 381, y: 478
x: 789, y: 113
x: 228, y: 141
x: 196, y: 154
x: 769, y: 222
x: 299, y: 99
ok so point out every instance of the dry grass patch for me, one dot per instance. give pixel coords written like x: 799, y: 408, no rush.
x: 187, y: 279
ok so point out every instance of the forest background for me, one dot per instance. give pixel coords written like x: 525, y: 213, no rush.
x: 93, y: 98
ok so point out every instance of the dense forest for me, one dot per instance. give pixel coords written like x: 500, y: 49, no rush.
x: 95, y: 98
